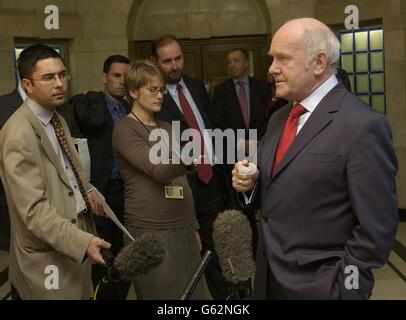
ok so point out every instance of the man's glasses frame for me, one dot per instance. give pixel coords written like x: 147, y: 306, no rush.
x: 49, y: 79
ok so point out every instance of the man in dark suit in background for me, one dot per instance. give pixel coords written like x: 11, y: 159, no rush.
x: 327, y: 177
x: 96, y: 114
x: 9, y: 103
x: 187, y: 102
x: 240, y: 103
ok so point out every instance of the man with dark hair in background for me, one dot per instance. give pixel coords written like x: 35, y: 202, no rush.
x: 241, y: 103
x: 96, y: 114
x: 48, y: 195
x: 187, y: 101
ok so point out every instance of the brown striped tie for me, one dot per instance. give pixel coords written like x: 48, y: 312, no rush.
x: 60, y: 134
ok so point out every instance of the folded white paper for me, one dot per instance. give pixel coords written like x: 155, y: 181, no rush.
x: 109, y: 213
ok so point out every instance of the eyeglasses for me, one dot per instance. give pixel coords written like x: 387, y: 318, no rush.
x: 155, y: 90
x: 49, y: 79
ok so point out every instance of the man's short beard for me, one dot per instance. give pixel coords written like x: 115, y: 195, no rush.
x: 174, y: 77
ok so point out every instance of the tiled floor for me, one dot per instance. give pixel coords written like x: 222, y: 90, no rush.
x: 390, y: 281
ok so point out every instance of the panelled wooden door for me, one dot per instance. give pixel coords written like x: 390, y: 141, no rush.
x: 206, y: 59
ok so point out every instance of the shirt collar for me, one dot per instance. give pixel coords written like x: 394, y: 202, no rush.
x: 113, y: 103
x: 311, y: 102
x: 244, y: 80
x: 21, y: 91
x: 172, y: 88
x: 42, y: 114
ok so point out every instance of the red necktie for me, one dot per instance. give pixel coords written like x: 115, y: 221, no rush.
x: 242, y: 97
x: 288, y: 134
x: 204, y: 171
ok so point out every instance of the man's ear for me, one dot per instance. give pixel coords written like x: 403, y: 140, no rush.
x: 27, y: 85
x: 104, y: 77
x: 320, y: 63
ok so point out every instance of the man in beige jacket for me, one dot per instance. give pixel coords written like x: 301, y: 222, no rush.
x: 52, y: 233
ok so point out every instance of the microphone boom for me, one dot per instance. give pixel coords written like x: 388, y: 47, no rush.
x: 196, y: 275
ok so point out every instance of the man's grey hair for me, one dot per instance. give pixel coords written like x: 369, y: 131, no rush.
x: 316, y: 40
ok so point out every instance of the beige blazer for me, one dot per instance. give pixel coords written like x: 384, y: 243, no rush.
x: 48, y: 239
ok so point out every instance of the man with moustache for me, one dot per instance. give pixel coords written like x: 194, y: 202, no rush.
x: 9, y: 104
x: 48, y: 196
x: 97, y: 113
x: 187, y: 102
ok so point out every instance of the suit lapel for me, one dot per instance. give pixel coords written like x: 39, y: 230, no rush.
x: 194, y: 92
x: 46, y: 144
x: 276, y: 127
x: 319, y: 119
x: 172, y: 107
x: 253, y: 98
x: 256, y: 108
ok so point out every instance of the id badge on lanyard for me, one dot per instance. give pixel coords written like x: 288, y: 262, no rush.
x: 174, y: 192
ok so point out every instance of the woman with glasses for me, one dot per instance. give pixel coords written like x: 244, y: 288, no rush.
x: 158, y: 198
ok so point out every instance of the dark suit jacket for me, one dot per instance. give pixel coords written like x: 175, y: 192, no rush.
x: 330, y: 205
x: 170, y: 112
x: 9, y: 103
x: 226, y: 111
x: 96, y: 124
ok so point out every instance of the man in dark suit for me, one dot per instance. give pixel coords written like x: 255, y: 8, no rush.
x: 96, y: 114
x: 9, y: 103
x: 327, y: 177
x: 240, y: 103
x: 187, y: 102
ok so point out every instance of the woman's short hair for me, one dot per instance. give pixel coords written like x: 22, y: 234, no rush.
x: 139, y: 74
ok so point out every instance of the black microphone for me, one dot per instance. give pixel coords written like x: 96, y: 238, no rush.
x: 138, y: 257
x: 194, y: 280
x: 232, y: 240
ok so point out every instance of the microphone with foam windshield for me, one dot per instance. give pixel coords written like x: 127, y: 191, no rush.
x: 138, y: 257
x: 232, y: 240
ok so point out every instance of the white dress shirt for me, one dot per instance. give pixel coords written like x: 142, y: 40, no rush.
x: 206, y: 137
x: 311, y: 102
x: 21, y: 91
